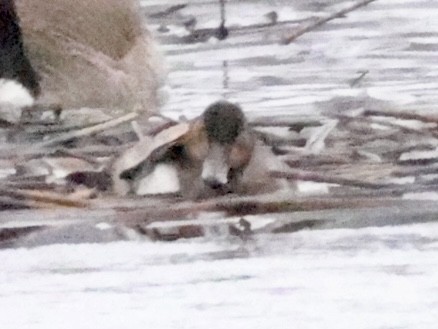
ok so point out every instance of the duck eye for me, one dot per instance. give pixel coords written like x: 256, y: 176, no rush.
x: 177, y: 152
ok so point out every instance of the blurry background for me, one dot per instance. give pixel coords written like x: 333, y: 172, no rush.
x: 385, y: 51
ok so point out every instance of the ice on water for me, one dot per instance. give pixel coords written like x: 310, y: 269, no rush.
x: 363, y: 278
x: 368, y: 278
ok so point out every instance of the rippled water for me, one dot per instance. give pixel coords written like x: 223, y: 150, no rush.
x: 382, y: 277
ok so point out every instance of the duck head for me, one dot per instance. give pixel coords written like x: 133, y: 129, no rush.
x: 229, y: 146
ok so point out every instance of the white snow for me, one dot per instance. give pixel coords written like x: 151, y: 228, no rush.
x: 309, y: 188
x: 365, y: 278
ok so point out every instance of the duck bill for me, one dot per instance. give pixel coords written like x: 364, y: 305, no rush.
x: 215, y: 168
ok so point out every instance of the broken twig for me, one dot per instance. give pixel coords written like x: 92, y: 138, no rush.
x: 43, y: 198
x: 322, y: 21
x: 314, y: 177
x: 88, y: 131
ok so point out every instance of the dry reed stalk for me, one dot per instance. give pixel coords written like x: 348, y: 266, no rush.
x: 43, y: 199
x: 321, y: 21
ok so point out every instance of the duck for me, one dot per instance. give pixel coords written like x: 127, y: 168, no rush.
x: 215, y: 154
x: 82, y: 54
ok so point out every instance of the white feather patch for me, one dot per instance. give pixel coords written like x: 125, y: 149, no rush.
x: 163, y: 179
x: 15, y: 94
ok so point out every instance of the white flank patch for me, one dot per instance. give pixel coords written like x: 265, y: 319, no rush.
x: 15, y: 94
x: 164, y: 179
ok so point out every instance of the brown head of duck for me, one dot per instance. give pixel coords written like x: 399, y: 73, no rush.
x: 230, y: 146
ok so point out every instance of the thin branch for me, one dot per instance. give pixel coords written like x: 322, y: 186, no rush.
x: 43, y: 199
x: 88, y: 131
x: 403, y: 115
x: 239, y: 206
x: 314, y: 177
x: 322, y: 21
